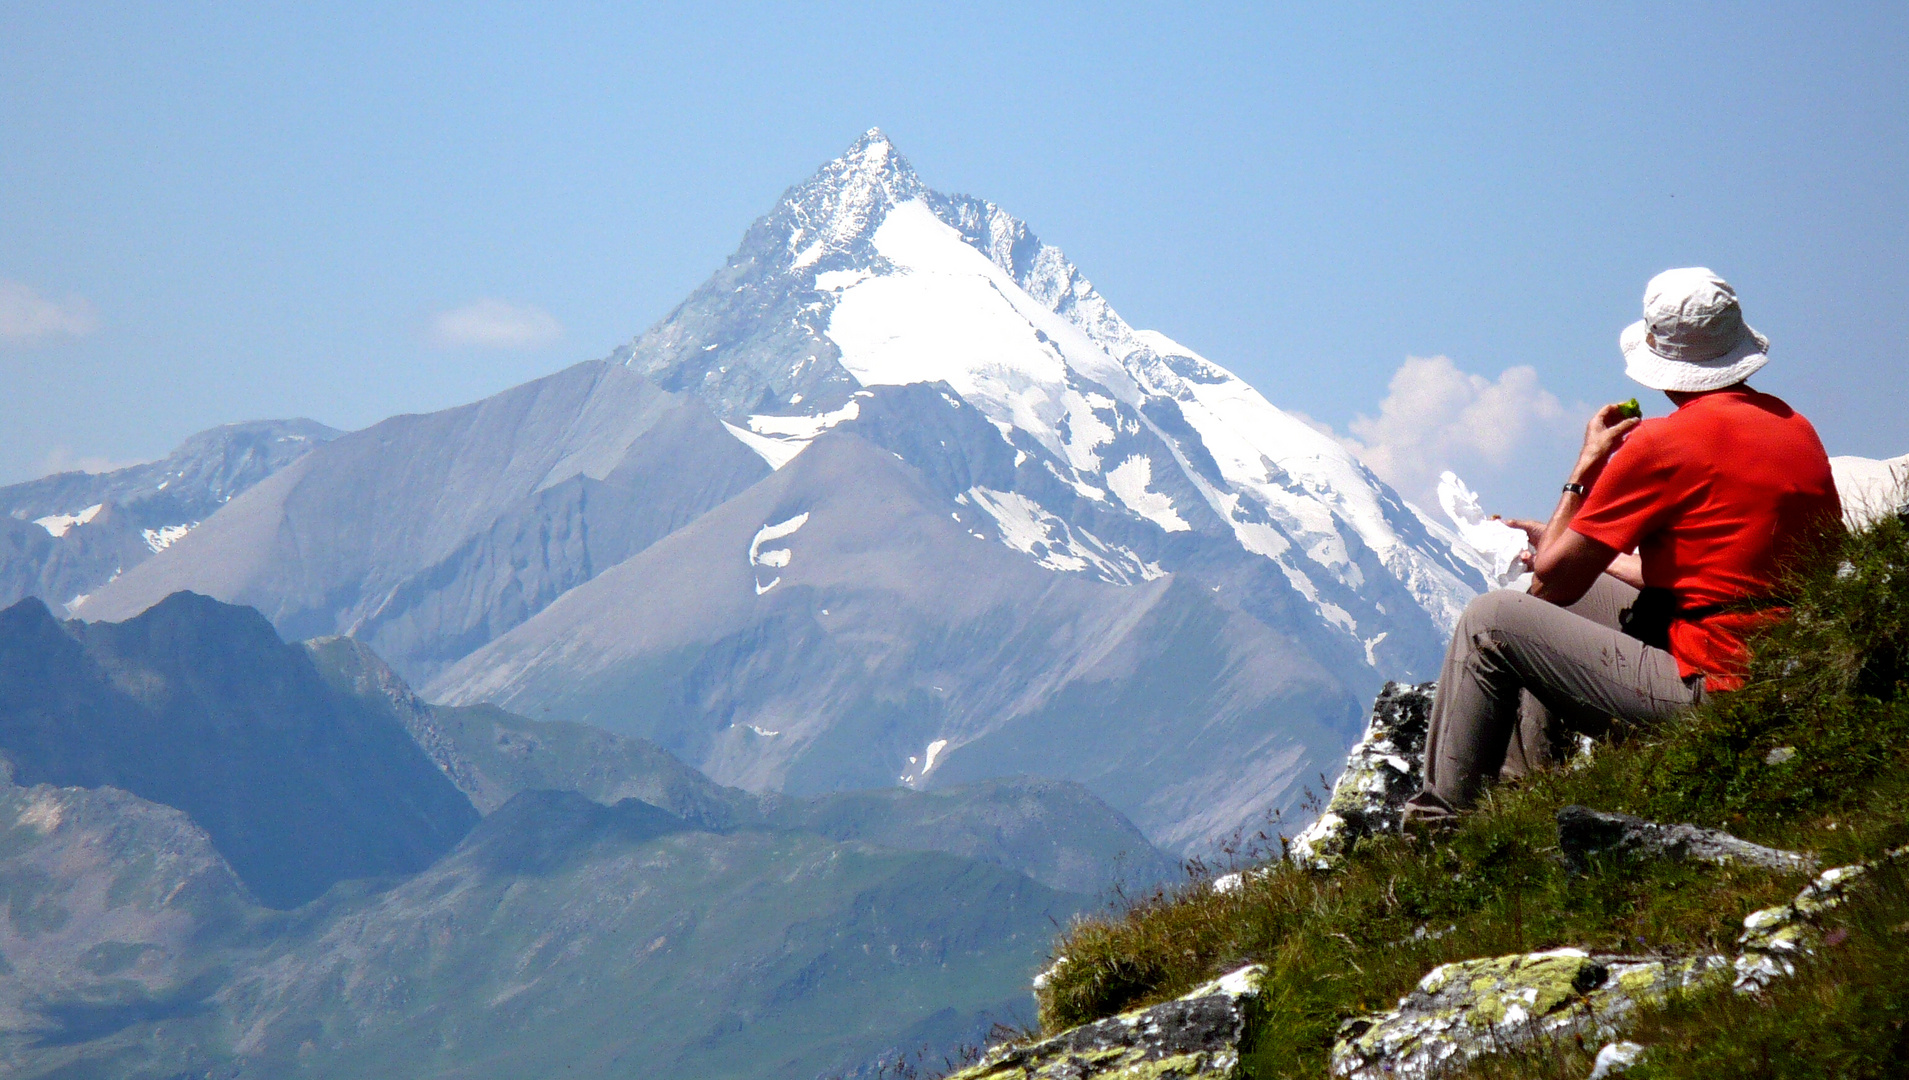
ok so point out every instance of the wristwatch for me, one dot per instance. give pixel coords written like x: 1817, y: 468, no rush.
x: 1577, y: 489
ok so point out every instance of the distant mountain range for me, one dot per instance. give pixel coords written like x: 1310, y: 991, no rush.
x: 896, y: 498
x: 228, y: 856
x: 63, y: 536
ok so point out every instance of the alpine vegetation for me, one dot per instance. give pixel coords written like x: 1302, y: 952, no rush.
x: 1718, y: 896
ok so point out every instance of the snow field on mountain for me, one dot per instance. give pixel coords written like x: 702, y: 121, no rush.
x: 1129, y: 481
x: 947, y: 313
x: 57, y: 524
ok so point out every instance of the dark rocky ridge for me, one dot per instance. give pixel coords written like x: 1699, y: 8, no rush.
x: 200, y: 706
x: 1055, y: 831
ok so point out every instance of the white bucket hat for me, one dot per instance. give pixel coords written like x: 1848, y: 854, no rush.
x: 1692, y: 337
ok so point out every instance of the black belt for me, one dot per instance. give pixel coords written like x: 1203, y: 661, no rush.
x: 1743, y: 605
x: 1649, y: 617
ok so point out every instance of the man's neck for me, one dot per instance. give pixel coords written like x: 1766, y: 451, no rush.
x: 1681, y: 398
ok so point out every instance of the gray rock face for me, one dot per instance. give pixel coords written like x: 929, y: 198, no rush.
x: 1196, y: 1035
x: 1383, y: 770
x: 888, y: 629
x: 427, y: 536
x: 64, y: 536
x: 1583, y: 833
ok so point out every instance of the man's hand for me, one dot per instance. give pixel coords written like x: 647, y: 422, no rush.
x: 1565, y: 562
x: 1604, y: 433
x: 1534, y: 535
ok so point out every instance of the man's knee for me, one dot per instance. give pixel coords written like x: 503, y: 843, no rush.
x: 1496, y: 609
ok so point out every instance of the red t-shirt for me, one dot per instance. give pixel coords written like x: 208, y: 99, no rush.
x: 1717, y: 498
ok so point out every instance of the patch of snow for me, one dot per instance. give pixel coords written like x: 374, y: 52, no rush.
x: 934, y: 750
x: 803, y: 427
x: 1027, y: 527
x: 1129, y: 482
x: 1372, y: 643
x: 777, y: 452
x: 948, y: 313
x: 43, y: 814
x: 775, y: 558
x: 834, y: 280
x: 158, y: 540
x: 778, y: 530
x: 809, y: 256
x: 57, y: 524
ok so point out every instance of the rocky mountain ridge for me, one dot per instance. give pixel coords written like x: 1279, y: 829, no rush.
x: 65, y: 535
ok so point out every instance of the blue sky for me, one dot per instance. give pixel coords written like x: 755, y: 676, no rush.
x: 216, y: 213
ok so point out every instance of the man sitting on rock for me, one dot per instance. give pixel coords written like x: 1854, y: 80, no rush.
x: 1713, y: 503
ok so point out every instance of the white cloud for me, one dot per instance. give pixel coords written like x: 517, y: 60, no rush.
x: 1435, y: 417
x: 26, y: 316
x: 495, y: 324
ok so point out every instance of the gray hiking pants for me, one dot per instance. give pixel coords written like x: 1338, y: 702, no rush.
x: 1523, y: 672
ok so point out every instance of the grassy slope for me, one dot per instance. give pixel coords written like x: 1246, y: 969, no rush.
x: 1830, y: 682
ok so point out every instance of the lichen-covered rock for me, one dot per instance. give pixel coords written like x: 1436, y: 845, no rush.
x: 1382, y: 771
x: 1197, y: 1035
x: 1583, y: 832
x: 1463, y: 1010
x: 1774, y: 937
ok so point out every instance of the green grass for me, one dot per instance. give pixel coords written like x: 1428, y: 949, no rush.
x: 1829, y: 683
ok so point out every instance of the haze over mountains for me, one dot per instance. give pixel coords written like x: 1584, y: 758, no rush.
x: 895, y: 484
x: 228, y: 856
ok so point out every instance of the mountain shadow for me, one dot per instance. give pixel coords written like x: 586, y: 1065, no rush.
x: 200, y: 706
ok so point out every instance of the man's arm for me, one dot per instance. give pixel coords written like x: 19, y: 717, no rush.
x: 1565, y: 570
x: 1568, y: 562
x: 1628, y: 568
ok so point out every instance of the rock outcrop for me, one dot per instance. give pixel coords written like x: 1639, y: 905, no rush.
x: 1584, y: 832
x: 1474, y: 1007
x: 1196, y: 1035
x: 1774, y: 937
x: 1383, y: 770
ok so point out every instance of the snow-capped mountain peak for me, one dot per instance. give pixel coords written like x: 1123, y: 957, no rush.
x: 846, y: 199
x: 1132, y: 454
